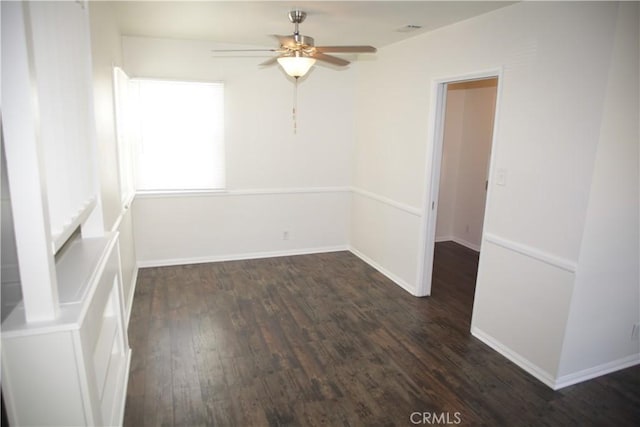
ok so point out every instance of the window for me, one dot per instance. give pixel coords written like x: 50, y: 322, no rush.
x: 178, y: 132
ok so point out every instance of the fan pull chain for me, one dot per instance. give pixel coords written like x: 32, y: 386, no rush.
x: 295, y: 105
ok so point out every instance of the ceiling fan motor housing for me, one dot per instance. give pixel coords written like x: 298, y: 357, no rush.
x: 297, y: 16
x: 303, y: 41
x: 299, y: 44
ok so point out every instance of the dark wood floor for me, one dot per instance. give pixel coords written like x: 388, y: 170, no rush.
x: 327, y: 340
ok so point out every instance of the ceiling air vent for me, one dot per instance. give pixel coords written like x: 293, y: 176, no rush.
x: 408, y: 28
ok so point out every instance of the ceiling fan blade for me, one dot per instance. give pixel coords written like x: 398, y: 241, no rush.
x: 347, y: 49
x: 331, y: 59
x: 241, y: 50
x: 285, y: 41
x: 269, y: 61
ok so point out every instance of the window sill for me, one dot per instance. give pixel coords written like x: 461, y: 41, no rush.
x: 151, y: 194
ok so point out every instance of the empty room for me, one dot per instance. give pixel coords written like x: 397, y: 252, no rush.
x: 247, y: 213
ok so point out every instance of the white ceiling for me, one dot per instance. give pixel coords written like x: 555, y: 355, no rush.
x: 374, y: 23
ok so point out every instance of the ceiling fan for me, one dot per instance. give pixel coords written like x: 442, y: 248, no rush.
x: 298, y: 53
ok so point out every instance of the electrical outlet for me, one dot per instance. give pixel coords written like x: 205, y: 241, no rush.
x: 501, y: 177
x: 285, y: 235
x: 635, y: 332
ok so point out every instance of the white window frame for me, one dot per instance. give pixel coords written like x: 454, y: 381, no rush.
x: 132, y: 140
x: 122, y: 87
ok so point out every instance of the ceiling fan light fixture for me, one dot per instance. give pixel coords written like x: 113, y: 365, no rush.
x: 296, y: 66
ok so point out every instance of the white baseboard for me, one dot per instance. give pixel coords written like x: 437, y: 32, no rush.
x: 238, y: 257
x: 257, y: 255
x: 516, y: 358
x: 467, y: 244
x: 556, y: 383
x: 459, y: 241
x: 394, y: 278
x: 597, y: 371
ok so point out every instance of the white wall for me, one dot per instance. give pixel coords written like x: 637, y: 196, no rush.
x: 452, y: 137
x: 606, y: 296
x: 382, y: 229
x: 468, y: 135
x: 183, y: 230
x: 555, y: 60
x: 265, y: 161
x: 106, y: 47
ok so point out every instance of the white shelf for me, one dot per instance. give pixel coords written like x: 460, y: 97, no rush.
x: 77, y: 272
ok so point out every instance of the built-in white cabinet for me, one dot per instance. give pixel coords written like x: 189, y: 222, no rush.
x: 65, y: 353
x: 72, y: 370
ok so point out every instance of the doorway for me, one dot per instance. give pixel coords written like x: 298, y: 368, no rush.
x: 464, y: 121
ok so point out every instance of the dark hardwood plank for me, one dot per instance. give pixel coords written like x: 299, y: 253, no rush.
x: 327, y: 340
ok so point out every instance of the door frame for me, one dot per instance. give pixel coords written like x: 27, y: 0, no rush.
x: 435, y: 145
